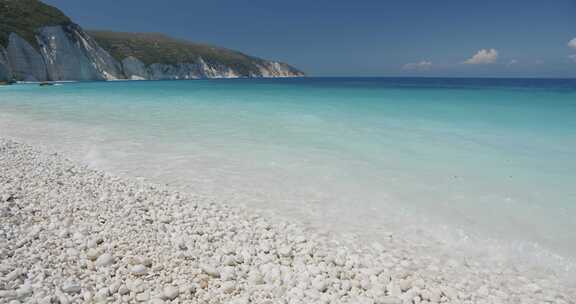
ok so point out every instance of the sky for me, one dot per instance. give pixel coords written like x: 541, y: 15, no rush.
x: 447, y: 38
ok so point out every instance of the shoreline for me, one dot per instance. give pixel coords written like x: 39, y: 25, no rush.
x: 72, y: 234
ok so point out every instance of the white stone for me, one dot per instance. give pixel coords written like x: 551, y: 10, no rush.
x: 228, y: 287
x: 143, y: 297
x: 211, y: 271
x: 138, y: 270
x: 170, y: 292
x: 104, y: 260
x: 114, y: 287
x: 285, y: 251
x: 7, y: 294
x: 320, y: 285
x: 71, y: 287
x: 24, y: 291
x: 62, y: 298
x: 102, y: 294
x: 92, y: 254
x: 16, y: 273
x: 227, y: 274
x: 123, y: 290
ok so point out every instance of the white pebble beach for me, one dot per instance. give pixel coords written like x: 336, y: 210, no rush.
x: 71, y: 234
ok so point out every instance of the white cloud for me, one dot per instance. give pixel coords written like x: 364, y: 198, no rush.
x: 483, y: 56
x: 512, y: 62
x: 572, y: 57
x: 423, y: 65
x: 572, y: 43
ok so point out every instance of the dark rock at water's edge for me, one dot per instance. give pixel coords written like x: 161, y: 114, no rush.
x: 39, y: 43
x: 7, y: 82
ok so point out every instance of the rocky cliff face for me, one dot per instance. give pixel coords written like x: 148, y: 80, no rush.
x: 70, y: 54
x: 26, y: 63
x: 198, y: 70
x: 5, y: 69
x: 66, y: 52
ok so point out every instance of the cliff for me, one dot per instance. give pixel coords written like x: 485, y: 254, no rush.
x: 157, y: 56
x: 39, y: 43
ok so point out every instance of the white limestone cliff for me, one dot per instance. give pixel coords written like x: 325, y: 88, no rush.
x: 66, y: 52
x: 25, y: 62
x: 70, y: 54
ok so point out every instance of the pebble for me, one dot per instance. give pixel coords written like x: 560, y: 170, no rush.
x: 285, y: 251
x: 102, y: 294
x: 104, y: 260
x: 7, y: 294
x: 62, y: 298
x: 24, y: 291
x: 15, y: 274
x: 71, y: 287
x: 228, y: 287
x: 143, y: 297
x: 123, y: 290
x: 138, y: 270
x: 320, y: 285
x: 92, y: 254
x: 150, y: 244
x: 170, y: 293
x: 211, y: 271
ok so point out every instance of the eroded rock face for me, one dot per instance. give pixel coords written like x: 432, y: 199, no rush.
x: 277, y: 69
x: 26, y: 63
x: 159, y: 71
x: 70, y: 54
x: 200, y: 69
x: 134, y: 69
x: 215, y: 71
x: 5, y: 70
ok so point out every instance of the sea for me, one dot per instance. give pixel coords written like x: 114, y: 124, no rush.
x: 483, y: 167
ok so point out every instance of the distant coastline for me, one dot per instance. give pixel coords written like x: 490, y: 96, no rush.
x: 50, y: 47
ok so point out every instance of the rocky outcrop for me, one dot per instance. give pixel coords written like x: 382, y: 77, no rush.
x: 70, y: 54
x: 160, y: 71
x: 134, y: 69
x: 215, y: 71
x: 277, y: 69
x: 26, y: 63
x: 66, y: 53
x: 198, y: 70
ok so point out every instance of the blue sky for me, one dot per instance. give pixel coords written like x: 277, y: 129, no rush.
x: 528, y: 38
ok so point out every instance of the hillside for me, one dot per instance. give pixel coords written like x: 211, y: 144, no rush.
x: 159, y: 48
x: 25, y: 17
x: 40, y: 43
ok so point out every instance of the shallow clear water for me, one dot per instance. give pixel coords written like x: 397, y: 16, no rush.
x: 474, y: 164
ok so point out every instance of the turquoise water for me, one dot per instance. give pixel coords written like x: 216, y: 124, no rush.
x: 486, y: 166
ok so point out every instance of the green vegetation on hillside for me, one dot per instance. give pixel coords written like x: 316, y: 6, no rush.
x: 24, y: 17
x: 158, y: 48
